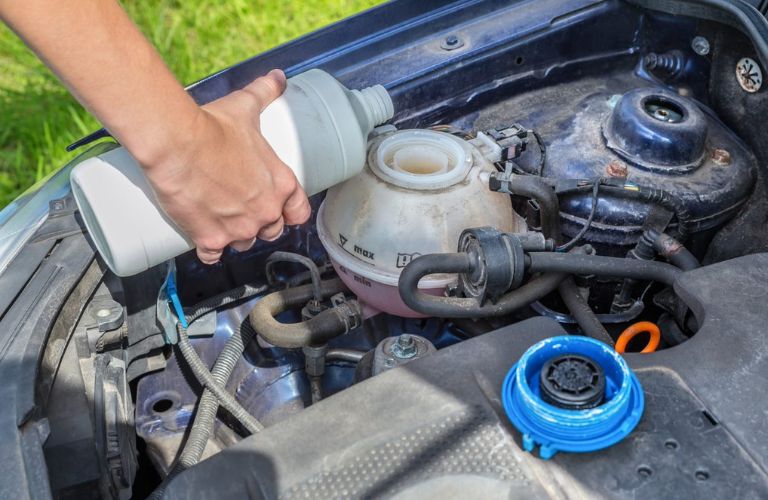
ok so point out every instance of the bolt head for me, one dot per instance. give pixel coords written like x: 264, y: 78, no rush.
x: 721, y: 157
x: 617, y: 168
x: 700, y: 45
x: 405, y: 347
x: 451, y: 42
x: 103, y: 313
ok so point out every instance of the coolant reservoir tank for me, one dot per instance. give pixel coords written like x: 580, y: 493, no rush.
x: 420, y: 189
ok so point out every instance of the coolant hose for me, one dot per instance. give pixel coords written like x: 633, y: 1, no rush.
x: 454, y: 307
x: 616, y: 267
x: 582, y: 313
x: 674, y: 251
x: 318, y: 330
x: 540, y: 191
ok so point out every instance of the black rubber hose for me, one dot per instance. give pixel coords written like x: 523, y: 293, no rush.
x: 640, y: 193
x: 659, y: 197
x: 606, y: 318
x: 582, y: 313
x: 454, y: 307
x: 541, y: 191
x: 316, y: 331
x: 348, y: 355
x: 674, y: 251
x: 542, y: 262
x: 314, y: 271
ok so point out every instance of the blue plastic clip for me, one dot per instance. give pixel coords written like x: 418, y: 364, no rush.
x: 173, y: 294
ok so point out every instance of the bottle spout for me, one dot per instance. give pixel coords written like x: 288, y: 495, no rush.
x: 376, y: 105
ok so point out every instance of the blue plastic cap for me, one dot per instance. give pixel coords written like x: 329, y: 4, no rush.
x: 556, y: 429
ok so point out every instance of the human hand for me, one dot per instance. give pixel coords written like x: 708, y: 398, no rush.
x: 223, y: 184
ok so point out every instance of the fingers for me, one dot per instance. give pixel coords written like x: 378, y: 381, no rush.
x: 268, y: 232
x: 267, y: 88
x: 297, y: 209
x: 209, y: 256
x: 243, y: 245
x: 263, y: 194
x: 272, y: 231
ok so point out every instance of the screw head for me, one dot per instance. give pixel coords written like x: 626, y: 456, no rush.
x: 617, y: 168
x: 721, y: 157
x: 700, y: 45
x: 451, y: 42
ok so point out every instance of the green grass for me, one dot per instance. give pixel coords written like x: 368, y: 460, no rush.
x: 38, y: 118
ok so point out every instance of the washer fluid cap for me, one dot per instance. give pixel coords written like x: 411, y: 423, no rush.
x: 556, y: 428
x: 420, y: 189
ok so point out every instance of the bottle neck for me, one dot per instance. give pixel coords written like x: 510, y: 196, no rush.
x: 373, y: 105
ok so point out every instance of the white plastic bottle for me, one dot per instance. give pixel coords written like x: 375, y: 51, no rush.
x: 317, y: 127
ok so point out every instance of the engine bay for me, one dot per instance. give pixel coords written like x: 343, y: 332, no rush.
x: 613, y: 191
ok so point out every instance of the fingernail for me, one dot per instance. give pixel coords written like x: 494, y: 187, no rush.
x: 277, y: 73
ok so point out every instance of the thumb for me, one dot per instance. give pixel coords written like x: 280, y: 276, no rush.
x: 267, y: 88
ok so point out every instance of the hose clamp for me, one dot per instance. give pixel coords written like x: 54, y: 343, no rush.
x: 349, y: 311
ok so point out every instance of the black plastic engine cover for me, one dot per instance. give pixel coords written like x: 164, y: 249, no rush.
x: 435, y: 428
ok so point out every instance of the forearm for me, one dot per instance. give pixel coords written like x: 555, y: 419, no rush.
x: 107, y: 63
x: 213, y: 172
